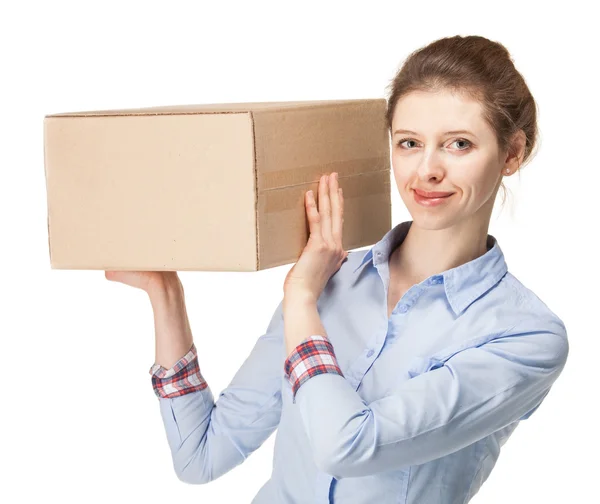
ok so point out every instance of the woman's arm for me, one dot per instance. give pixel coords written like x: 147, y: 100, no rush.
x: 205, y: 441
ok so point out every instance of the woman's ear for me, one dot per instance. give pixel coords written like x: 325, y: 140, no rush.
x: 516, y: 152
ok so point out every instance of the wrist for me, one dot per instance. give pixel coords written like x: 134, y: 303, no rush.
x: 165, y: 291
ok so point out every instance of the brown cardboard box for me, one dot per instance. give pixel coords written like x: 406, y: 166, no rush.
x: 216, y: 187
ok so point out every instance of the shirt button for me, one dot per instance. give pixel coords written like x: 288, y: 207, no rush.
x: 370, y: 353
x: 402, y: 309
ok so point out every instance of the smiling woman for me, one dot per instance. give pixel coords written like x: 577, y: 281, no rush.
x: 396, y: 374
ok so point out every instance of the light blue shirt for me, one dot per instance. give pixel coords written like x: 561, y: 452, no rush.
x: 426, y: 400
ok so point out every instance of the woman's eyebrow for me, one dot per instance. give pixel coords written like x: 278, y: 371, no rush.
x: 453, y: 132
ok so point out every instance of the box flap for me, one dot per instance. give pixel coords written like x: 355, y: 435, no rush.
x: 206, y: 108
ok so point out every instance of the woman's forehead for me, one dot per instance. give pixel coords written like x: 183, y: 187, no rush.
x: 439, y: 113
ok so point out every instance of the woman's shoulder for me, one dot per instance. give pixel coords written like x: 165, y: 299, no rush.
x: 530, y: 302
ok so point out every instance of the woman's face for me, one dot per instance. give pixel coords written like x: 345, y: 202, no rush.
x: 467, y: 164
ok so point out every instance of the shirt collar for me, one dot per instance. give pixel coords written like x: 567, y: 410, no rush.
x: 462, y: 284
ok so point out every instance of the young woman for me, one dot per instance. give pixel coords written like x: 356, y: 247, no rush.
x: 395, y: 375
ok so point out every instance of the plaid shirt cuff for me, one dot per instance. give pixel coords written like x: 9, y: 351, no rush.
x: 310, y: 358
x: 182, y: 378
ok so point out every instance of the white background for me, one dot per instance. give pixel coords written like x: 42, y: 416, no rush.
x: 79, y: 419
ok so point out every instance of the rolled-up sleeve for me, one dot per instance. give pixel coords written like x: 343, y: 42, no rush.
x: 472, y: 394
x: 184, y: 377
x: 314, y: 355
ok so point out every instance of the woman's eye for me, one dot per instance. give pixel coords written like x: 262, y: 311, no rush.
x: 462, y: 140
x: 400, y: 142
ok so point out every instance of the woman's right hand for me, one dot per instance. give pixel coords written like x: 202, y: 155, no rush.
x: 149, y: 281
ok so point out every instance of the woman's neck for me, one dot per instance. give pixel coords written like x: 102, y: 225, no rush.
x: 427, y: 252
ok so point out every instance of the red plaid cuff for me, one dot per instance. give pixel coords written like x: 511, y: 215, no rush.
x: 310, y: 358
x: 182, y: 378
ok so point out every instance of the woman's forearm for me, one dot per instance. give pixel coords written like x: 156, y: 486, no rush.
x: 301, y: 320
x: 173, y: 336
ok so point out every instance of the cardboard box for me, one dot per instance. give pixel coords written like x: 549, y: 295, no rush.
x: 210, y: 187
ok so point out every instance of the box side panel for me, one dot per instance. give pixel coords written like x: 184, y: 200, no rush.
x: 295, y: 147
x: 152, y: 192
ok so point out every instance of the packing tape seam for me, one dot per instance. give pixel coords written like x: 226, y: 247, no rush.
x: 340, y: 177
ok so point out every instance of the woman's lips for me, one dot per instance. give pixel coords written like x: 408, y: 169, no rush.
x: 430, y: 202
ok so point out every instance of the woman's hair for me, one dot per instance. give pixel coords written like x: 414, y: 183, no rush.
x: 480, y: 69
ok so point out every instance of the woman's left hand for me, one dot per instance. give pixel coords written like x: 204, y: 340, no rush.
x: 323, y: 254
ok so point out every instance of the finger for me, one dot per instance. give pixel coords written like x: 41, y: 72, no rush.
x: 313, y: 215
x: 325, y: 210
x: 337, y: 211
